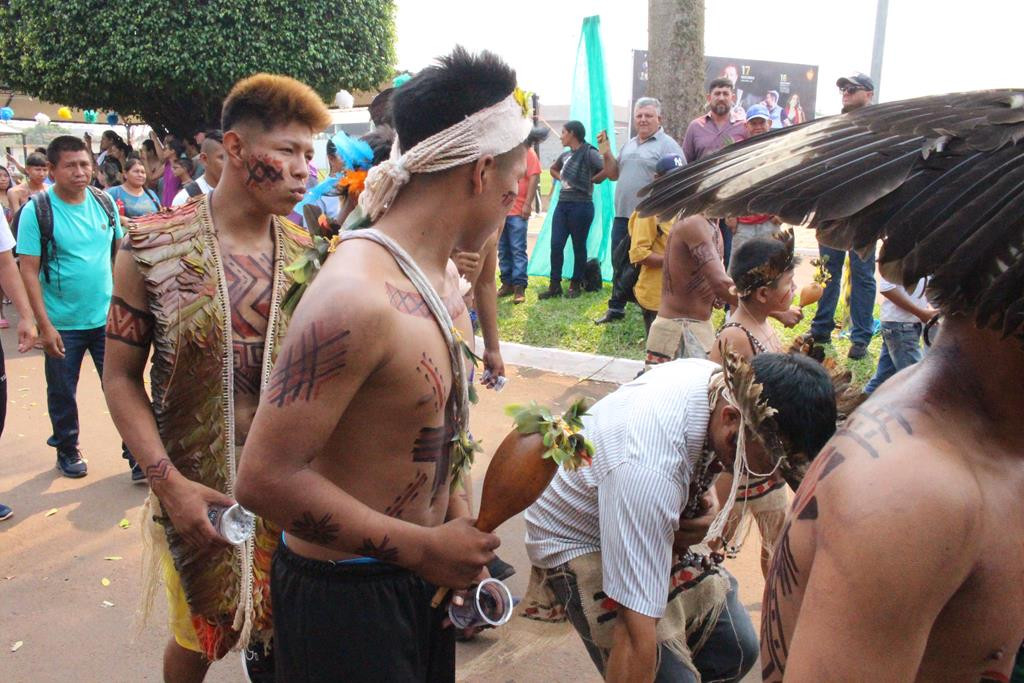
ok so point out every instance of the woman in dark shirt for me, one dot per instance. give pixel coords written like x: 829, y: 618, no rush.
x: 578, y: 169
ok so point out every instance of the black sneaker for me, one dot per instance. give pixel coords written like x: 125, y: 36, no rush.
x: 5, y: 512
x: 71, y: 465
x: 550, y: 292
x: 609, y: 316
x: 500, y: 569
x: 857, y: 351
x: 138, y: 476
x: 258, y: 663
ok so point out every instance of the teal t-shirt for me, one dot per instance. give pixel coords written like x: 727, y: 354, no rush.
x: 77, y: 296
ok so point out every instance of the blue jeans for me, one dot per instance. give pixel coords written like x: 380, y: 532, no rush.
x: 901, y: 348
x: 62, y: 383
x: 512, y: 252
x: 862, y: 296
x: 730, y: 652
x: 620, y: 231
x: 571, y: 220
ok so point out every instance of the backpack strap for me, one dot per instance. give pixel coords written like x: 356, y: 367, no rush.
x: 152, y: 197
x: 107, y: 202
x: 44, y: 217
x: 193, y: 189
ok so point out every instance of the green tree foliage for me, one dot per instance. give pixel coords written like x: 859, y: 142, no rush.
x: 171, y: 62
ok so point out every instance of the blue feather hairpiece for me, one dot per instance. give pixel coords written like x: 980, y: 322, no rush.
x: 357, y: 154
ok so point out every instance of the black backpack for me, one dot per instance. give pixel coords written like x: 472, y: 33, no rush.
x: 44, y: 217
x: 592, y: 276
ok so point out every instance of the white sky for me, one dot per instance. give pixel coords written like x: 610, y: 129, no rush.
x: 931, y: 46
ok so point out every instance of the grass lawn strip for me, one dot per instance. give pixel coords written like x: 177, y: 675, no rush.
x: 569, y: 324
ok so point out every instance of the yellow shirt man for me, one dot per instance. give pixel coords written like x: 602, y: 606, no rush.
x: 647, y: 237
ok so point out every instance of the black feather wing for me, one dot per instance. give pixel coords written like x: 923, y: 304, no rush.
x: 940, y: 180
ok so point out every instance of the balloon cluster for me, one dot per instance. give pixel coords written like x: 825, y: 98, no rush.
x: 41, y: 118
x: 6, y: 113
x: 64, y: 113
x: 112, y: 118
x: 90, y: 115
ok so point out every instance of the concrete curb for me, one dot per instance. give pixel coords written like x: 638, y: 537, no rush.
x: 577, y: 364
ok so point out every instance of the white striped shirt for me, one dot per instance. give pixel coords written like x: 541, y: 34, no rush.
x: 647, y: 437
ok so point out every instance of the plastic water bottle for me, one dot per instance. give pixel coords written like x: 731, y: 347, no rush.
x: 489, y: 604
x: 499, y: 383
x: 234, y: 523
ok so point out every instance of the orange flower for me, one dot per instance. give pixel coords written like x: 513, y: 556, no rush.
x: 352, y: 182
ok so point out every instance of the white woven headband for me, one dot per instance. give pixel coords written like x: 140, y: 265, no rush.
x: 494, y: 130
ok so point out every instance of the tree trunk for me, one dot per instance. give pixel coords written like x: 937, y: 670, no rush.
x: 675, y: 61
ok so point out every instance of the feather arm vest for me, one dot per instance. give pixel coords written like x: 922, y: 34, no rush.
x: 191, y: 382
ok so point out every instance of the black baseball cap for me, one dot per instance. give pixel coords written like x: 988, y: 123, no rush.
x: 858, y: 79
x: 669, y: 162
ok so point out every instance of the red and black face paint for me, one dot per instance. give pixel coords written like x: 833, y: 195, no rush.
x: 263, y: 171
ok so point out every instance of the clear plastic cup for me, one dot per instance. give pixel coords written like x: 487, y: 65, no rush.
x: 489, y: 603
x: 234, y: 523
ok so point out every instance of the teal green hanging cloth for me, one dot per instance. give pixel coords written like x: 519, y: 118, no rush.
x: 592, y: 105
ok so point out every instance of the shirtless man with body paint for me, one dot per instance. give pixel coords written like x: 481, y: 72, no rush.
x: 929, y: 589
x: 351, y: 447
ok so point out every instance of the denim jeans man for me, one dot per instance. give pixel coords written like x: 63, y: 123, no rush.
x: 904, y: 312
x: 512, y: 259
x: 901, y: 348
x: 67, y: 275
x: 862, y: 299
x: 856, y: 91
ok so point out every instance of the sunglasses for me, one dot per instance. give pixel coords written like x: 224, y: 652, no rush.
x: 851, y: 89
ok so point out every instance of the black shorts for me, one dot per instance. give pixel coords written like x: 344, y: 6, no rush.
x: 356, y: 622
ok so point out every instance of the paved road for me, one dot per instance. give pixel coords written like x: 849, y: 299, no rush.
x: 54, y: 551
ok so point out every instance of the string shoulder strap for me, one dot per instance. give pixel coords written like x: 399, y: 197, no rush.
x: 755, y: 343
x: 419, y: 280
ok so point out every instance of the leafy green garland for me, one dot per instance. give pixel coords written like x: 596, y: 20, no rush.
x: 305, y: 268
x: 464, y: 446
x: 562, y: 438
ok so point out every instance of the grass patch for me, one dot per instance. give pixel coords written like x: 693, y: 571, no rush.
x: 569, y: 324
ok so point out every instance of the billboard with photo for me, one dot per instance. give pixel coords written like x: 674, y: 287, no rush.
x: 796, y: 84
x: 790, y: 88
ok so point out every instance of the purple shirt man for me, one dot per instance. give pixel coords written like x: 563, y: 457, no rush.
x: 704, y: 135
x: 719, y: 127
